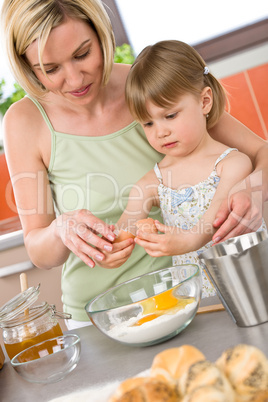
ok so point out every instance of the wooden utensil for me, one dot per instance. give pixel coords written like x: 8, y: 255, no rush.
x: 23, y: 287
x: 210, y: 309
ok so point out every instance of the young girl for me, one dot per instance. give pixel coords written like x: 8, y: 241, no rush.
x: 171, y: 92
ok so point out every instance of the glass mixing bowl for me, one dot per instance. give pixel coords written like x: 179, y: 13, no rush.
x: 48, y: 361
x: 148, y: 309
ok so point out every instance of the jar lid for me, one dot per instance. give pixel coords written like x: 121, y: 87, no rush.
x: 18, y: 304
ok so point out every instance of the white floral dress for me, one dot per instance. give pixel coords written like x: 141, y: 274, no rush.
x: 184, y: 207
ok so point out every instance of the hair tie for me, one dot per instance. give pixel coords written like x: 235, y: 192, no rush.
x: 206, y: 70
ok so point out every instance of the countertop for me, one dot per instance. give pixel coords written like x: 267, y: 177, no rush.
x: 104, y: 360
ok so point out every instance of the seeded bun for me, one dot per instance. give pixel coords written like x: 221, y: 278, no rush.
x: 184, y: 375
x: 246, y: 367
x: 205, y: 374
x: 145, y: 389
x: 207, y: 393
x: 261, y: 396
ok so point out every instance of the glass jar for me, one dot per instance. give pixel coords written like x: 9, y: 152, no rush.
x: 25, y: 325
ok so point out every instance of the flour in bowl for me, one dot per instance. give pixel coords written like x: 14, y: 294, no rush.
x: 158, y: 328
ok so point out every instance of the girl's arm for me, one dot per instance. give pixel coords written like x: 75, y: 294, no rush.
x: 175, y: 241
x: 242, y: 211
x: 48, y: 239
x: 133, y: 212
x: 142, y: 197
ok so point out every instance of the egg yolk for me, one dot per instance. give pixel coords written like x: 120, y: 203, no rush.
x: 146, y: 318
x: 159, y: 304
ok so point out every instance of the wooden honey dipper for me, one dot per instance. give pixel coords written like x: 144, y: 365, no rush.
x: 23, y: 287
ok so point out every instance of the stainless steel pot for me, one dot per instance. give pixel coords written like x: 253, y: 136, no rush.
x: 238, y: 268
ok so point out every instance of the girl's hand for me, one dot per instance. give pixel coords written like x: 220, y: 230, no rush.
x: 240, y: 214
x: 118, y: 256
x: 79, y: 232
x: 158, y: 245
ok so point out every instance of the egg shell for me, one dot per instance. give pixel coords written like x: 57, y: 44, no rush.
x: 123, y: 235
x: 147, y: 225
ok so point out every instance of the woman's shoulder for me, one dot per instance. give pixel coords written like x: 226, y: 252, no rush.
x: 116, y: 93
x: 21, y: 119
x: 22, y: 111
x: 120, y: 73
x: 122, y: 68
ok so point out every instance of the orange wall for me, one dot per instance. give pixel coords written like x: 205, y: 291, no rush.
x: 7, y: 203
x: 248, y: 98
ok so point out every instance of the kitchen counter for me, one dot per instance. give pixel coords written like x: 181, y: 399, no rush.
x: 104, y: 360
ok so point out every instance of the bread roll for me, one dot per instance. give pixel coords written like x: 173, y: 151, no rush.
x: 126, y: 386
x: 205, y: 373
x: 140, y: 389
x: 261, y: 396
x: 183, y: 375
x: 206, y: 393
x: 170, y: 364
x: 123, y: 235
x: 246, y: 367
x: 147, y: 225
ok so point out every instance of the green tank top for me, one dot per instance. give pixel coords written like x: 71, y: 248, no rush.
x: 97, y: 173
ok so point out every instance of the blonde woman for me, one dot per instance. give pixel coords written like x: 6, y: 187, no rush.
x: 74, y: 151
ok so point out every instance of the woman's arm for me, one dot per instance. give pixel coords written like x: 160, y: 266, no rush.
x: 242, y: 211
x: 48, y: 239
x: 175, y: 241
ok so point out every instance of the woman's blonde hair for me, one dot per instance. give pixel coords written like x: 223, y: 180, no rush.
x: 24, y: 21
x: 165, y: 71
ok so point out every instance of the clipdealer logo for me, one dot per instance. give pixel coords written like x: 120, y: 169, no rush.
x: 115, y: 195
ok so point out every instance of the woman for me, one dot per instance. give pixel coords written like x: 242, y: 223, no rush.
x: 74, y: 151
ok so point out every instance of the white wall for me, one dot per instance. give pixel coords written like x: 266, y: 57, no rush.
x: 192, y: 21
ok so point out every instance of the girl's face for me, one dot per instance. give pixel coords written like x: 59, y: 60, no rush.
x: 178, y: 130
x: 73, y: 61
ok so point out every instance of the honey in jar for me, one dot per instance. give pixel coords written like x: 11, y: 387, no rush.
x: 24, y: 326
x: 45, y: 348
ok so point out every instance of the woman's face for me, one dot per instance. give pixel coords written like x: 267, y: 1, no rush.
x: 73, y: 61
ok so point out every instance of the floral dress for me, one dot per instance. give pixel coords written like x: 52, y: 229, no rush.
x: 184, y: 207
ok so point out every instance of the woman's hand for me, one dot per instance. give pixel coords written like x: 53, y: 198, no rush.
x: 79, y: 232
x: 242, y: 212
x: 118, y: 256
